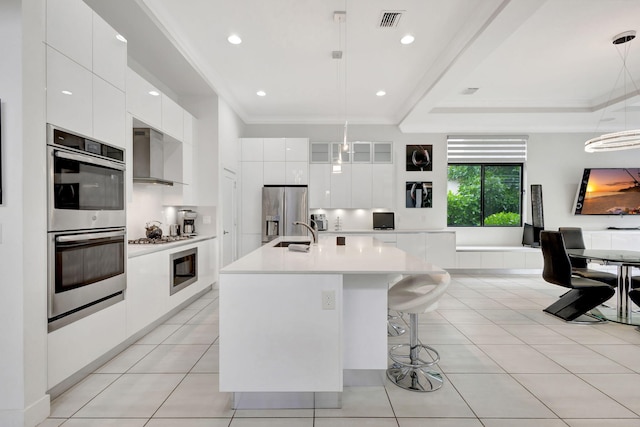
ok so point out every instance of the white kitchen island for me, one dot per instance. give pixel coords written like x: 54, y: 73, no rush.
x: 295, y: 327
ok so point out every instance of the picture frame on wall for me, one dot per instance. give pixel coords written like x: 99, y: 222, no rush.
x: 419, y: 194
x: 419, y: 158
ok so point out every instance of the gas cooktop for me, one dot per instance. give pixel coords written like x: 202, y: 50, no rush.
x: 161, y: 240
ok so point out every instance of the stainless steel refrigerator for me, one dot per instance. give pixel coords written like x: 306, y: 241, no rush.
x: 281, y: 206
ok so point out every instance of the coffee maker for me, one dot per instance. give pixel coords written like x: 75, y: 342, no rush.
x: 187, y: 222
x: 320, y: 220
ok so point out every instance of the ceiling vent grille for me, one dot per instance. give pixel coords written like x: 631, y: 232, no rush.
x: 390, y: 18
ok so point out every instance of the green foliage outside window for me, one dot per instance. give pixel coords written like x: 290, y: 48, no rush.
x: 484, y: 195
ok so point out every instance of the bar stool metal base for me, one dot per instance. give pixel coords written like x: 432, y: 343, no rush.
x: 410, y: 369
x: 394, y: 329
x: 414, y: 379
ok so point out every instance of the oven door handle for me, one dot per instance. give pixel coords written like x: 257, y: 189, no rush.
x: 90, y: 236
x: 88, y: 159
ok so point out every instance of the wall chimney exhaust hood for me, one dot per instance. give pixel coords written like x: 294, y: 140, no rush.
x: 148, y: 157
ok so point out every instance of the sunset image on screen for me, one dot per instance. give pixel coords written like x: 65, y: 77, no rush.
x: 613, y: 192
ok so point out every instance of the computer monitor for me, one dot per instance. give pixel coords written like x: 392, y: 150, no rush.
x: 383, y: 221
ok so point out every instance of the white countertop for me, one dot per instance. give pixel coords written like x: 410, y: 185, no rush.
x: 372, y: 231
x: 138, y: 250
x: 360, y: 255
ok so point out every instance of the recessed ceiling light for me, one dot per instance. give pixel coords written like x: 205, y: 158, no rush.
x: 261, y: 93
x: 154, y: 93
x: 66, y: 92
x: 121, y: 38
x: 408, y: 39
x: 234, y: 39
x: 381, y: 93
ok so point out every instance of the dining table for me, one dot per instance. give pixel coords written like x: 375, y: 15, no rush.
x: 625, y: 261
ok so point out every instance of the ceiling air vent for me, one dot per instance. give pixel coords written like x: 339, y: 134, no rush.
x: 390, y: 18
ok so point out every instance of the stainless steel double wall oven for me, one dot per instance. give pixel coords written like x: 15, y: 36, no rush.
x: 86, y: 226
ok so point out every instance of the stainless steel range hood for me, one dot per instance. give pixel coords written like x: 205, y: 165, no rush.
x: 148, y: 157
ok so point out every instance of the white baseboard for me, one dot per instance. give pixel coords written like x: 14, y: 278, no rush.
x: 36, y: 413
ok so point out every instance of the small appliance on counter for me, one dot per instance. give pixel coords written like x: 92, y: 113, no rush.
x: 321, y: 221
x: 187, y: 222
x: 383, y: 221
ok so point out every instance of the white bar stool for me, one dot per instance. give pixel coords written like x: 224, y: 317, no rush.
x: 414, y: 295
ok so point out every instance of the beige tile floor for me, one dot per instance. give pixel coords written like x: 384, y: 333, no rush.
x: 505, y: 362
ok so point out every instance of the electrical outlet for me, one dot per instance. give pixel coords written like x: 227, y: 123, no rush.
x: 206, y: 219
x: 328, y: 300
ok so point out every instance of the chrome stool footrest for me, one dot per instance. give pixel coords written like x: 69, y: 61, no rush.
x: 413, y: 359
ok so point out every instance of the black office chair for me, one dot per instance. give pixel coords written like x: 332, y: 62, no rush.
x: 573, y: 240
x: 585, y: 294
x: 634, y: 295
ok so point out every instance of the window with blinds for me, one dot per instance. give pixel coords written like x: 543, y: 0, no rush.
x: 487, y: 149
x: 484, y: 180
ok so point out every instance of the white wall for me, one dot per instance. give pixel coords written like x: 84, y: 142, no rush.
x: 555, y: 161
x: 23, y: 356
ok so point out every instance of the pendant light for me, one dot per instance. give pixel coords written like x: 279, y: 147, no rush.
x: 626, y: 139
x: 340, y: 17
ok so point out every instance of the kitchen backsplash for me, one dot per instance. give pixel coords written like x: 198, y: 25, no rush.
x: 146, y: 206
x: 350, y: 219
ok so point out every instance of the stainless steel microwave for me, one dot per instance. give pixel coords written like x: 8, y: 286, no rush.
x: 85, y: 182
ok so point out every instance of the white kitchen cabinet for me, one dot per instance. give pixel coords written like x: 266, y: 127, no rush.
x: 274, y: 150
x: 147, y: 289
x: 361, y: 185
x: 361, y: 152
x: 190, y: 161
x: 141, y: 103
x: 172, y: 118
x: 297, y: 149
x: 339, y: 154
x: 109, y: 112
x: 382, y: 152
x: 382, y: 181
x: 319, y: 185
x: 251, y: 197
x: 173, y: 159
x: 90, y: 338
x: 69, y: 30
x: 189, y: 195
x: 69, y: 94
x: 387, y: 239
x: 413, y: 243
x: 251, y: 149
x: 341, y: 188
x: 109, y: 54
x: 296, y: 173
x: 274, y: 173
x: 441, y: 249
x: 320, y: 152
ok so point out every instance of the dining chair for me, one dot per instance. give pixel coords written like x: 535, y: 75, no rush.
x: 584, y: 294
x: 573, y: 239
x: 634, y: 295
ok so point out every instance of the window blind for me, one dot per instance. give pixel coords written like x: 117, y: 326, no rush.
x: 487, y: 149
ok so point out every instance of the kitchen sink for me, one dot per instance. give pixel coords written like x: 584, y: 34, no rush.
x: 285, y: 244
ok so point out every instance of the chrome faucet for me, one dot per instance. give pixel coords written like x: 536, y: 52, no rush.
x: 314, y: 232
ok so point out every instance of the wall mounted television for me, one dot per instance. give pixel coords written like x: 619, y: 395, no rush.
x: 608, y: 191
